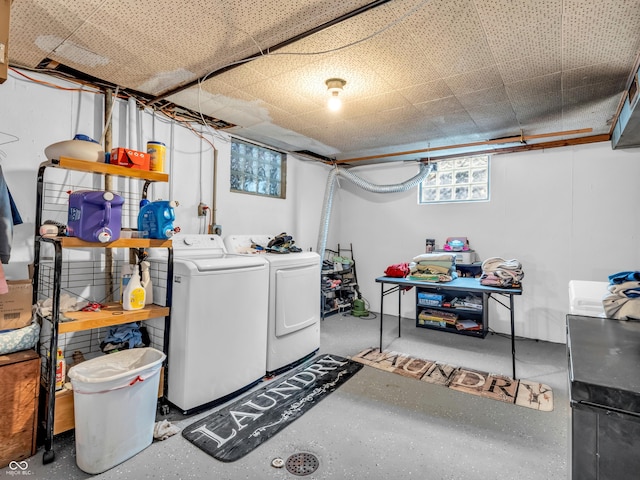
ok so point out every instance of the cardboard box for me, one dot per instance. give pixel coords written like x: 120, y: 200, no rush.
x: 15, y: 306
x: 125, y: 157
x: 5, y: 7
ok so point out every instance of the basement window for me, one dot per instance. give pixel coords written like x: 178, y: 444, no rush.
x: 257, y: 170
x: 463, y: 179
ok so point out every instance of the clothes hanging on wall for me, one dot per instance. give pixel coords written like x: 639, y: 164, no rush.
x: 9, y: 216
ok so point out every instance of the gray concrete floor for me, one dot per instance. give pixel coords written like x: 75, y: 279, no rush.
x: 380, y: 425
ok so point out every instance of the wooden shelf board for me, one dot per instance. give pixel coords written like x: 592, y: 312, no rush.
x: 106, y: 168
x: 74, y: 242
x: 112, y: 315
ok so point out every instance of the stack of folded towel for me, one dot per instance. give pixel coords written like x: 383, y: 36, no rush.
x: 623, y: 299
x: 433, y: 267
x: 498, y: 272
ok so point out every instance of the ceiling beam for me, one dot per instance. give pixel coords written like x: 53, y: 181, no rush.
x: 515, y: 139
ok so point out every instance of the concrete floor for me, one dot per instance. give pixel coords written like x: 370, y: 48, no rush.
x: 381, y: 425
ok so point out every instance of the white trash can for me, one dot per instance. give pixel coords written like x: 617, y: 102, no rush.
x: 115, y: 398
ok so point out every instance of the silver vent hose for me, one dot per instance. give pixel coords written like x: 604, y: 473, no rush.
x: 425, y: 169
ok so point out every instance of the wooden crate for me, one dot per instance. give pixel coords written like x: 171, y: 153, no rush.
x: 19, y: 390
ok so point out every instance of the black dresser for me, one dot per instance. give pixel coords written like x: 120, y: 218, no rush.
x: 604, y: 375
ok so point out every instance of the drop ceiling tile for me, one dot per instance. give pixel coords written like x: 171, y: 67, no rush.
x: 440, y: 106
x: 240, y: 77
x: 521, y: 28
x: 401, y: 64
x: 496, y: 116
x: 598, y: 31
x: 281, y: 95
x: 473, y: 81
x: 531, y: 67
x: 375, y: 105
x: 610, y: 73
x: 549, y: 85
x: 481, y: 98
x: 451, y: 36
x: 426, y: 92
x: 538, y: 109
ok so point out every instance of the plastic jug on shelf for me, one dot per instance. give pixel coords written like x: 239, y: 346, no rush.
x: 156, y: 219
x: 95, y: 215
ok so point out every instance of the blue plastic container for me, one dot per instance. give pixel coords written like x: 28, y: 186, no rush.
x: 95, y: 216
x: 156, y: 218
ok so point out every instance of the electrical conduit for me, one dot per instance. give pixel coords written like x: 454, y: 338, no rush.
x: 332, y: 180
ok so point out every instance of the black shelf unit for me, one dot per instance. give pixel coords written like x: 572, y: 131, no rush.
x: 338, y: 298
x: 437, y: 299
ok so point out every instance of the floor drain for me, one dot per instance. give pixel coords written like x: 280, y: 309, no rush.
x: 302, y: 464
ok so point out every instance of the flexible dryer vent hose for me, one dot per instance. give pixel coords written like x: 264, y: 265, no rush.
x: 332, y: 180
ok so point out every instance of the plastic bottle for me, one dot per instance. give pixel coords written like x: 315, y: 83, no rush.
x: 133, y: 297
x: 61, y: 370
x: 145, y: 281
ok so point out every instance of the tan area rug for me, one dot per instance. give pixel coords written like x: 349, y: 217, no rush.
x: 498, y: 387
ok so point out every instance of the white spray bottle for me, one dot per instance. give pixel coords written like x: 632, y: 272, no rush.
x: 146, y: 282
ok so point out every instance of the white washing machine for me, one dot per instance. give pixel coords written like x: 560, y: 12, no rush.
x: 219, y: 308
x: 294, y: 302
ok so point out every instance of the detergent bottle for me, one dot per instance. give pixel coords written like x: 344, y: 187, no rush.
x: 133, y: 297
x: 156, y: 219
x: 61, y: 369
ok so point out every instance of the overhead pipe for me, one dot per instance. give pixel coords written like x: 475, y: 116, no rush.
x: 332, y: 180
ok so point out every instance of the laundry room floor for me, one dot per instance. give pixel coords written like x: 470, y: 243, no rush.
x: 380, y: 425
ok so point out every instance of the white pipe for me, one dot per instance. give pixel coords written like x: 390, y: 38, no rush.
x: 132, y: 143
x: 365, y: 185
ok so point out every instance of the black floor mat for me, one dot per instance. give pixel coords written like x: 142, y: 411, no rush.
x: 232, y: 432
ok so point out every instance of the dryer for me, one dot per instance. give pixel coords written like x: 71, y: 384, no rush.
x: 293, y: 332
x: 219, y: 312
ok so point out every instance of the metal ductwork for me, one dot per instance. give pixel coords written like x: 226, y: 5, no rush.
x: 332, y: 180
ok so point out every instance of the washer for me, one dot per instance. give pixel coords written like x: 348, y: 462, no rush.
x: 294, y: 302
x: 217, y: 340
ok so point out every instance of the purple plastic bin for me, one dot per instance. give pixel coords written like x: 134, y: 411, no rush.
x: 95, y: 216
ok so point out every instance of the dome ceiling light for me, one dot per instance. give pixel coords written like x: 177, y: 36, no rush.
x: 335, y: 85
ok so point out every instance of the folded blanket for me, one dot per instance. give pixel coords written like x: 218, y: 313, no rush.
x: 625, y: 289
x: 435, y: 256
x: 619, y: 307
x: 433, y: 269
x: 622, y: 277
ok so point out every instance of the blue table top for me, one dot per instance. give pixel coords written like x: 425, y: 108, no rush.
x: 460, y: 283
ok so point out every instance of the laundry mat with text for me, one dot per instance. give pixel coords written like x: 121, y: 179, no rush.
x: 498, y: 387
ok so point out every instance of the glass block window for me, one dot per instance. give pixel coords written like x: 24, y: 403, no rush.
x: 463, y: 179
x: 257, y: 170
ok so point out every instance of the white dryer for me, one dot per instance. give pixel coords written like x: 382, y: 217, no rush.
x: 293, y: 333
x: 219, y: 307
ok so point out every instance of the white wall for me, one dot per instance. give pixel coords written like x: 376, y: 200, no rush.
x: 566, y: 213
x: 35, y: 116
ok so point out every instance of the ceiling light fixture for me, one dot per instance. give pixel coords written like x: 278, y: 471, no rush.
x: 335, y: 85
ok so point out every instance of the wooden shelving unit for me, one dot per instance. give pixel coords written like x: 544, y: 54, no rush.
x: 111, y: 314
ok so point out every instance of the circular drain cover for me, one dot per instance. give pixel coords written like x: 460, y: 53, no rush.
x: 302, y: 464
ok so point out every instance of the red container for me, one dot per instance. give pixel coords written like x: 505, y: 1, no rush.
x: 125, y: 157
